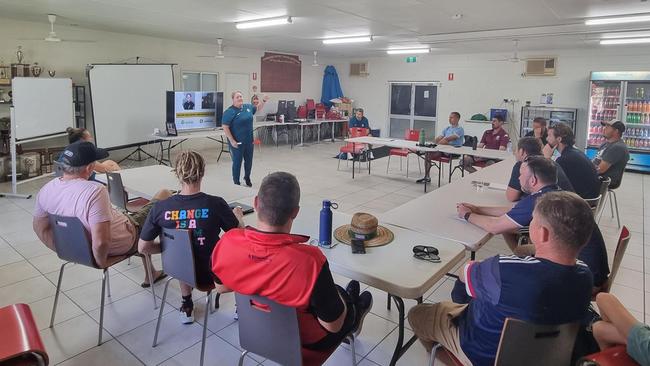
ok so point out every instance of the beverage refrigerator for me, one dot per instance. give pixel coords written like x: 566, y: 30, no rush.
x: 553, y: 116
x: 624, y: 96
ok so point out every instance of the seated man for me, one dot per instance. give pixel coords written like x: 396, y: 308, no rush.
x: 204, y: 215
x: 453, y: 135
x: 537, y: 178
x: 497, y: 139
x: 620, y: 327
x: 82, y: 134
x: 270, y: 261
x: 612, y: 156
x: 112, y: 233
x: 552, y: 288
x: 530, y: 146
x: 358, y: 120
x: 580, y: 171
x: 539, y: 130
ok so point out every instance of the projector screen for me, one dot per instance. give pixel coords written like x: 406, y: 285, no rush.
x: 128, y: 102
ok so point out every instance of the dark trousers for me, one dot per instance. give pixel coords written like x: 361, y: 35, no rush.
x: 245, y: 152
x: 332, y: 340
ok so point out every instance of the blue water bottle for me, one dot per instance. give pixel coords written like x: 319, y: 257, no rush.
x: 325, y: 232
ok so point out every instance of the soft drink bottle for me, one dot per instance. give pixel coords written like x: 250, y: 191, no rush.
x: 421, y: 139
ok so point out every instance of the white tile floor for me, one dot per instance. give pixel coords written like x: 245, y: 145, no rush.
x: 28, y: 272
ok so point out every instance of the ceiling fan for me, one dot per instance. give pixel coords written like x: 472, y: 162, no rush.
x: 515, y: 54
x: 220, y: 54
x: 52, y: 37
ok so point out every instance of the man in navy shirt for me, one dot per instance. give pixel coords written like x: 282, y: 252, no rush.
x: 237, y: 122
x: 577, y: 166
x: 530, y: 146
x: 551, y: 288
x: 358, y: 120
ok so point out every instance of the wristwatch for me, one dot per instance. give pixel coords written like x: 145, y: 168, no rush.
x: 467, y: 215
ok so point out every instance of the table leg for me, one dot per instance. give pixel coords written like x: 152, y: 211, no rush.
x: 302, y: 135
x: 318, y: 133
x: 400, y: 347
x: 332, y: 136
x: 368, y: 157
x: 162, y: 152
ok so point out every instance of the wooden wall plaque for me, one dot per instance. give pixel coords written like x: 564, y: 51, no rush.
x: 280, y: 73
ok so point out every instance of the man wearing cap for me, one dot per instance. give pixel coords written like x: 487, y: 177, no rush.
x: 613, y: 155
x: 270, y: 261
x: 112, y: 233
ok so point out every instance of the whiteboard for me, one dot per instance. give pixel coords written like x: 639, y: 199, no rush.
x: 128, y: 102
x: 42, y: 107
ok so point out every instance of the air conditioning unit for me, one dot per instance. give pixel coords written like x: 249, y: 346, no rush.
x: 359, y: 69
x: 544, y: 66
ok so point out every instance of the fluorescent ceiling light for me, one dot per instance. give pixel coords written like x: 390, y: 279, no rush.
x: 347, y: 40
x: 264, y: 22
x: 408, y: 51
x: 618, y: 20
x: 625, y: 41
x: 625, y: 35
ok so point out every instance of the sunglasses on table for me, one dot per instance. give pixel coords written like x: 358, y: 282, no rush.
x: 426, y: 253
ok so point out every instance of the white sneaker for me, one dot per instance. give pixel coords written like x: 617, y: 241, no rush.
x: 186, y: 316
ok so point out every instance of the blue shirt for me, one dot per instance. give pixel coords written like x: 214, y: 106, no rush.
x: 522, y: 213
x: 354, y: 122
x: 240, y: 121
x: 531, y: 289
x: 458, y: 131
x: 638, y: 344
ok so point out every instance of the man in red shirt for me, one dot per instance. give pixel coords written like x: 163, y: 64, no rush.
x: 270, y: 261
x: 497, y: 139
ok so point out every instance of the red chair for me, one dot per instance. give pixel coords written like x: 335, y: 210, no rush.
x: 311, y: 108
x: 409, y: 135
x: 357, y: 150
x: 21, y: 343
x: 320, y: 110
x: 301, y: 112
x: 614, y: 356
x: 621, y: 246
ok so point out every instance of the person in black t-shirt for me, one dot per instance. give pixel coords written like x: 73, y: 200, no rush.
x: 577, y: 166
x: 202, y: 214
x: 188, y: 103
x: 530, y: 146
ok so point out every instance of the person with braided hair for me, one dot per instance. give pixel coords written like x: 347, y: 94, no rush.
x: 200, y: 213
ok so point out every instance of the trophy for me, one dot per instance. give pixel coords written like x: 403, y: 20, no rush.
x: 19, y: 54
x: 36, y: 70
x: 51, y: 73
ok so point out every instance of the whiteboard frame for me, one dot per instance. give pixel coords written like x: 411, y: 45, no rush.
x: 92, y: 111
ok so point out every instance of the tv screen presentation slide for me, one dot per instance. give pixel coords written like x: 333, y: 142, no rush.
x: 194, y: 110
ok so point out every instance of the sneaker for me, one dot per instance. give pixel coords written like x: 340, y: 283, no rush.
x: 186, y: 314
x: 423, y: 180
x: 248, y: 182
x: 364, y: 304
x: 353, y: 288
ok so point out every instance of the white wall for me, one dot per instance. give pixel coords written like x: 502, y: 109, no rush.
x: 70, y: 59
x: 479, y: 84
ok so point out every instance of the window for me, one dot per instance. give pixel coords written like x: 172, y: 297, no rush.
x: 200, y: 81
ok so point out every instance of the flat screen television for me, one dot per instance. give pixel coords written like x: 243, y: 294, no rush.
x: 191, y: 110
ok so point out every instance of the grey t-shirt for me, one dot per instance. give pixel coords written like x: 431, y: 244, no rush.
x: 617, y: 155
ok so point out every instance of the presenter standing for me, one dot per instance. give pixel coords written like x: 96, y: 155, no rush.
x: 237, y: 123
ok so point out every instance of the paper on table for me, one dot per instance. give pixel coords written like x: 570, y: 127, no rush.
x: 498, y: 186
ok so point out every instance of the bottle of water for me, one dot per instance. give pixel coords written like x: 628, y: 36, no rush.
x: 509, y: 146
x: 325, y: 232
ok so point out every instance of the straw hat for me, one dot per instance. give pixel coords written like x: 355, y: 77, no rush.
x: 364, y: 226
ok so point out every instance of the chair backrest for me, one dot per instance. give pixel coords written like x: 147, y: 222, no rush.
x: 177, y: 254
x: 20, y: 336
x: 533, y: 344
x: 469, y: 140
x: 268, y: 329
x: 595, y: 204
x: 116, y: 190
x: 71, y: 240
x: 282, y: 107
x: 358, y: 131
x: 58, y: 169
x: 621, y: 246
x: 412, y: 134
x: 311, y: 105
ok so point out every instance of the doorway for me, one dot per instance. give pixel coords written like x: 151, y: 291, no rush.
x: 413, y: 105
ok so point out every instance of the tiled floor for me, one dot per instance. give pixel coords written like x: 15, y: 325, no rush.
x: 28, y: 273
